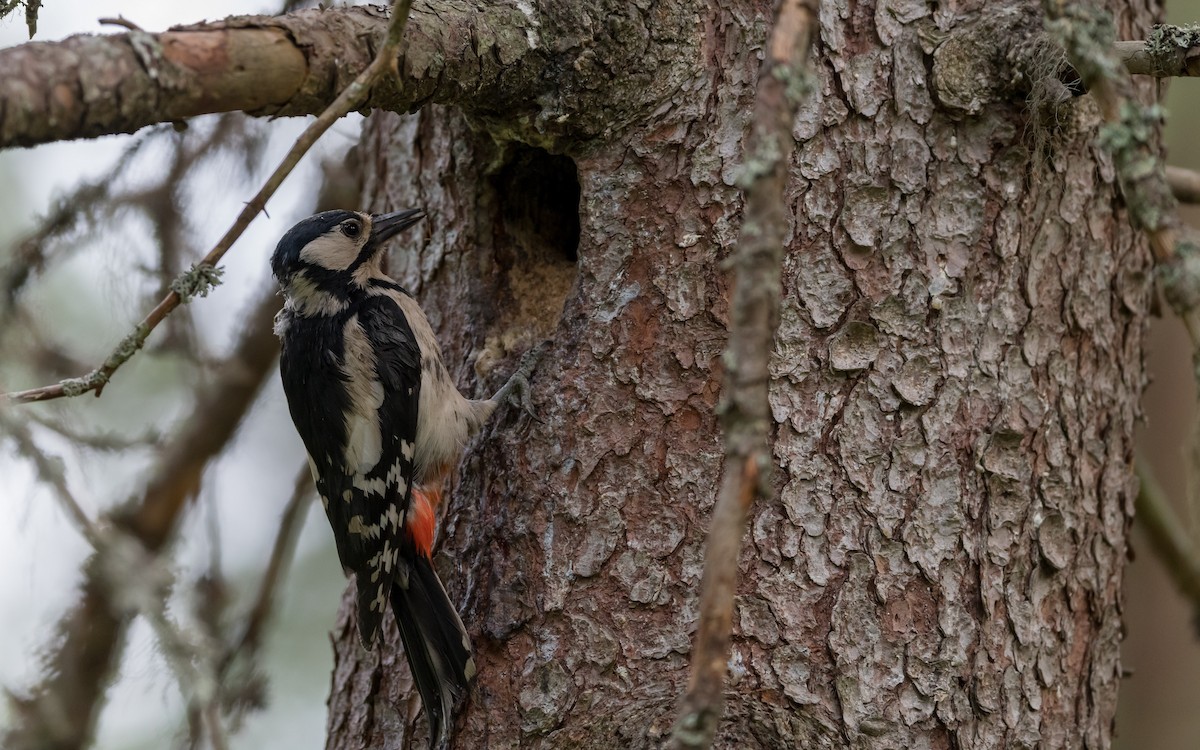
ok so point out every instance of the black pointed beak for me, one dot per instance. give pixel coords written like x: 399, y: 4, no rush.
x: 386, y: 226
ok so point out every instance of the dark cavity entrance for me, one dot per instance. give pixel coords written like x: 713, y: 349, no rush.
x: 538, y: 196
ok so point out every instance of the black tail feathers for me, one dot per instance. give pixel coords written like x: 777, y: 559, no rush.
x: 435, y: 642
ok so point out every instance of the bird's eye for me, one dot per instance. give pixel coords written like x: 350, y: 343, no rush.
x: 351, y: 228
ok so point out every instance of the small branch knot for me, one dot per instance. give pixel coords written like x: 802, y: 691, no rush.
x: 74, y: 387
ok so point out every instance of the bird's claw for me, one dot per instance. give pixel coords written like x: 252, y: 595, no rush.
x: 518, y: 391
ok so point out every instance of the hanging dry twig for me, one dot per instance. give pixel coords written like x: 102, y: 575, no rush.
x: 745, y: 415
x: 205, y: 274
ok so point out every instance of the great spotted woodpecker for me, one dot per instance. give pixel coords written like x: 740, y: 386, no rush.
x: 382, y: 423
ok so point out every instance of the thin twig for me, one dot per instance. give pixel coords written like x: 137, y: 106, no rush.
x: 349, y: 99
x: 121, y: 21
x: 745, y: 416
x: 99, y: 441
x: 216, y: 734
x: 1177, y: 551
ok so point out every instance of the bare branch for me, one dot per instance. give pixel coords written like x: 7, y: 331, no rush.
x: 121, y: 21
x: 273, y: 66
x: 351, y: 98
x: 99, y: 441
x: 1185, y: 184
x: 1167, y: 52
x: 745, y: 416
x: 84, y: 200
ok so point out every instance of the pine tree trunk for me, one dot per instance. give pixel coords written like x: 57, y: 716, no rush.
x: 955, y: 387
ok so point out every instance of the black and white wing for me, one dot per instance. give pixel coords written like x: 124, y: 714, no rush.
x: 370, y: 377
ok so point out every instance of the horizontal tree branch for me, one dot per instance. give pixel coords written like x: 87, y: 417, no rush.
x: 1168, y: 51
x: 1184, y: 183
x: 86, y: 86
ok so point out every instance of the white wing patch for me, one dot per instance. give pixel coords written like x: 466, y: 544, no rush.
x: 381, y: 600
x: 389, y: 520
x: 364, y: 440
x: 356, y: 526
x: 395, y: 475
x: 370, y: 486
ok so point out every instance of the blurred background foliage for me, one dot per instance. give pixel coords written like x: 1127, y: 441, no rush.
x: 112, y: 247
x: 103, y: 266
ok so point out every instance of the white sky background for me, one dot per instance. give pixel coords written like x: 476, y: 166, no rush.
x: 40, y: 551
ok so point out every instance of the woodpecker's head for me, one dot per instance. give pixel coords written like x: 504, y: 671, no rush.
x: 333, y: 251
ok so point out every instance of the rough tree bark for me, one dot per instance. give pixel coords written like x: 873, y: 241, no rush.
x: 954, y: 385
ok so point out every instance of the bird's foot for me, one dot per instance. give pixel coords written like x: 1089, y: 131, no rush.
x: 518, y: 391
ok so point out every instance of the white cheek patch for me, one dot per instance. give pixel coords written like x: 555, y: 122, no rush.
x: 333, y: 251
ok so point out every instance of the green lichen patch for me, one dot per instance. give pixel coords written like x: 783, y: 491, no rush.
x: 1087, y: 33
x: 1168, y: 45
x: 1131, y: 140
x: 197, y: 281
